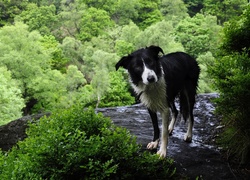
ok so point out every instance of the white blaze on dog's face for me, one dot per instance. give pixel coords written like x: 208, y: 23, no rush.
x: 148, y: 75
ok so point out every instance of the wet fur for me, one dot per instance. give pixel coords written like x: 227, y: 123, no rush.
x: 158, y: 81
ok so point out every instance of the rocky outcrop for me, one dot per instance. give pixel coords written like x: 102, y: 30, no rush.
x: 14, y: 131
x: 200, y: 158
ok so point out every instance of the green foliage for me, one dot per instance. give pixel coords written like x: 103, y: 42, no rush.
x: 194, y: 6
x: 173, y: 10
x: 125, y: 10
x: 119, y: 11
x: 72, y: 50
x: 9, y: 9
x: 28, y: 56
x: 11, y: 101
x: 54, y: 90
x: 224, y: 9
x: 153, y: 35
x: 22, y: 53
x: 205, y: 61
x: 198, y: 34
x: 118, y: 92
x: 232, y: 78
x: 80, y: 144
x: 93, y: 35
x: 69, y: 20
x: 148, y: 13
x: 56, y: 3
x: 39, y: 18
x: 236, y: 33
x: 93, y: 23
x: 126, y: 32
x: 58, y: 59
x: 123, y: 48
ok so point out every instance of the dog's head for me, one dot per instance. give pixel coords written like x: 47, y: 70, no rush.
x: 143, y: 65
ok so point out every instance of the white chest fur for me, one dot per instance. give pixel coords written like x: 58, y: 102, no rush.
x: 153, y: 95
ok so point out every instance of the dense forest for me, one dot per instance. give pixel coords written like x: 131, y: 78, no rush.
x: 59, y: 53
x: 62, y: 52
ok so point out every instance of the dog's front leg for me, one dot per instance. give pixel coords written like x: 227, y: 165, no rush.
x: 164, y: 134
x: 154, y: 143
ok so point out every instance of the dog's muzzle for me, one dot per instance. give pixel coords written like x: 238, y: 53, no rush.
x: 151, y: 79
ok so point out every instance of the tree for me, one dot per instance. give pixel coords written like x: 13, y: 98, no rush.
x: 124, y: 11
x: 9, y: 9
x: 121, y: 11
x: 148, y: 13
x: 224, y: 9
x: 100, y: 82
x: 159, y: 34
x: 173, y: 10
x: 69, y: 20
x: 127, y: 30
x: 72, y: 50
x: 106, y: 5
x: 93, y: 23
x: 198, y: 34
x: 55, y: 90
x: 56, y: 3
x: 39, y: 18
x: 22, y: 54
x: 97, y: 58
x: 101, y: 64
x: 47, y: 89
x: 123, y: 48
x: 53, y: 47
x: 28, y: 58
x: 11, y: 100
x: 194, y: 6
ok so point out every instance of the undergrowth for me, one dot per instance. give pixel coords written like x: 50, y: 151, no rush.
x: 80, y: 144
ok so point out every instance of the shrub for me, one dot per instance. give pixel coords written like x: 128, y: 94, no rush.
x: 231, y: 72
x: 118, y: 92
x: 80, y: 144
x: 232, y: 78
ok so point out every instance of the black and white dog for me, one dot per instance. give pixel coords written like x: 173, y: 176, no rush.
x: 157, y: 81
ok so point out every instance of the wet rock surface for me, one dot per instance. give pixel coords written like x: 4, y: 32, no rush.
x: 200, y: 158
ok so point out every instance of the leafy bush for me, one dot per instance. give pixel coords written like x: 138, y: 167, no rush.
x: 80, y: 144
x: 118, y: 92
x: 232, y: 78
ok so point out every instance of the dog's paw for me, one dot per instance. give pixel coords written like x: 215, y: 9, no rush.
x: 187, y: 138
x: 162, y: 153
x: 152, y: 145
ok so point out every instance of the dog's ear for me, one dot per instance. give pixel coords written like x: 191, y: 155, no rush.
x: 155, y: 50
x: 123, y: 62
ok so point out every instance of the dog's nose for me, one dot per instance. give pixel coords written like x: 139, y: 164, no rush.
x: 151, y: 79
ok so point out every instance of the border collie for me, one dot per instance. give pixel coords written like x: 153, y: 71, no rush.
x: 157, y: 80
